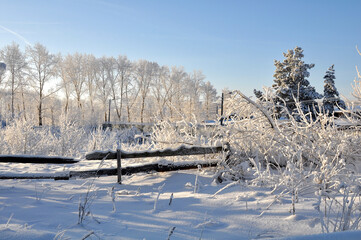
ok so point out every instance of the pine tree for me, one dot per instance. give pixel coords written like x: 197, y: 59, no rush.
x: 331, y: 95
x: 291, y: 84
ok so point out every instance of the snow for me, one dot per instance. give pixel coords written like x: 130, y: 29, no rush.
x: 349, y: 235
x: 47, y: 209
x: 185, y: 204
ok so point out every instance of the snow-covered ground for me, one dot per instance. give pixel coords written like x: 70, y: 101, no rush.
x: 190, y: 206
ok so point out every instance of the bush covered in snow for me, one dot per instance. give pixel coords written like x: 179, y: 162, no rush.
x: 69, y: 139
x: 297, y: 158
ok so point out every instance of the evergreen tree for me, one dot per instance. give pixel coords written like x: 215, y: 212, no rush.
x: 331, y: 95
x: 291, y: 84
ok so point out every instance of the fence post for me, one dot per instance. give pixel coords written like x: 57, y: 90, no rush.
x: 119, y: 165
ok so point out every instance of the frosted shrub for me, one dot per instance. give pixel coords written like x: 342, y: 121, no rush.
x: 167, y: 134
x: 102, y: 140
x: 305, y: 140
x: 86, y: 201
x: 338, y: 196
x: 296, y: 156
x: 249, y: 134
x: 340, y: 206
x: 20, y: 137
x: 16, y: 137
x: 70, y: 139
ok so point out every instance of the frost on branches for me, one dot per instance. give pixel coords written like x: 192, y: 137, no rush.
x: 331, y: 96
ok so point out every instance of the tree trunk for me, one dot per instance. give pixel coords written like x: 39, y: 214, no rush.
x: 12, y: 95
x: 24, y: 108
x: 128, y: 112
x: 52, y: 116
x: 142, y: 110
x: 121, y: 99
x: 39, y: 114
x: 40, y: 109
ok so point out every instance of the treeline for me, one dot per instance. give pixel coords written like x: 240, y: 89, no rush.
x: 40, y: 86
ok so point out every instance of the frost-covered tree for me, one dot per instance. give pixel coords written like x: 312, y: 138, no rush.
x: 87, y: 83
x: 92, y: 74
x: 161, y: 91
x: 15, y: 62
x: 2, y: 71
x: 209, y: 94
x: 125, y: 70
x: 356, y: 87
x: 65, y: 82
x: 106, y: 67
x: 291, y: 84
x: 41, y: 70
x: 331, y: 95
x: 193, y: 93
x: 177, y: 89
x: 145, y: 72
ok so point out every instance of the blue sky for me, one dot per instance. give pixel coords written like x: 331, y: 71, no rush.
x: 234, y: 43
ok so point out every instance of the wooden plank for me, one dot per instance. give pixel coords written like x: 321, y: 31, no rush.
x: 180, y: 151
x: 36, y: 159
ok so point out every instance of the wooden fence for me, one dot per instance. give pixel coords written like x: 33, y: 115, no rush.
x: 180, y: 151
x: 118, y: 155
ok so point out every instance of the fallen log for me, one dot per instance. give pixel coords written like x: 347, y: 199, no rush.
x: 36, y: 159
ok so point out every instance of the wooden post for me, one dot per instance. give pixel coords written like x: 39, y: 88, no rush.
x: 119, y: 166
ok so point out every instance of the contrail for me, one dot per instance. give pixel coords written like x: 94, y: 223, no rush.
x: 16, y: 34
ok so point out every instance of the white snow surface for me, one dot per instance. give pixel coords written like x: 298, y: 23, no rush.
x: 48, y: 209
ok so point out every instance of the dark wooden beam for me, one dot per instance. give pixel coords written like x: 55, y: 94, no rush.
x: 36, y: 159
x: 180, y: 151
x: 142, y: 168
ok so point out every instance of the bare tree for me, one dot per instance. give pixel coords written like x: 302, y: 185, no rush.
x: 41, y: 70
x: 16, y: 63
